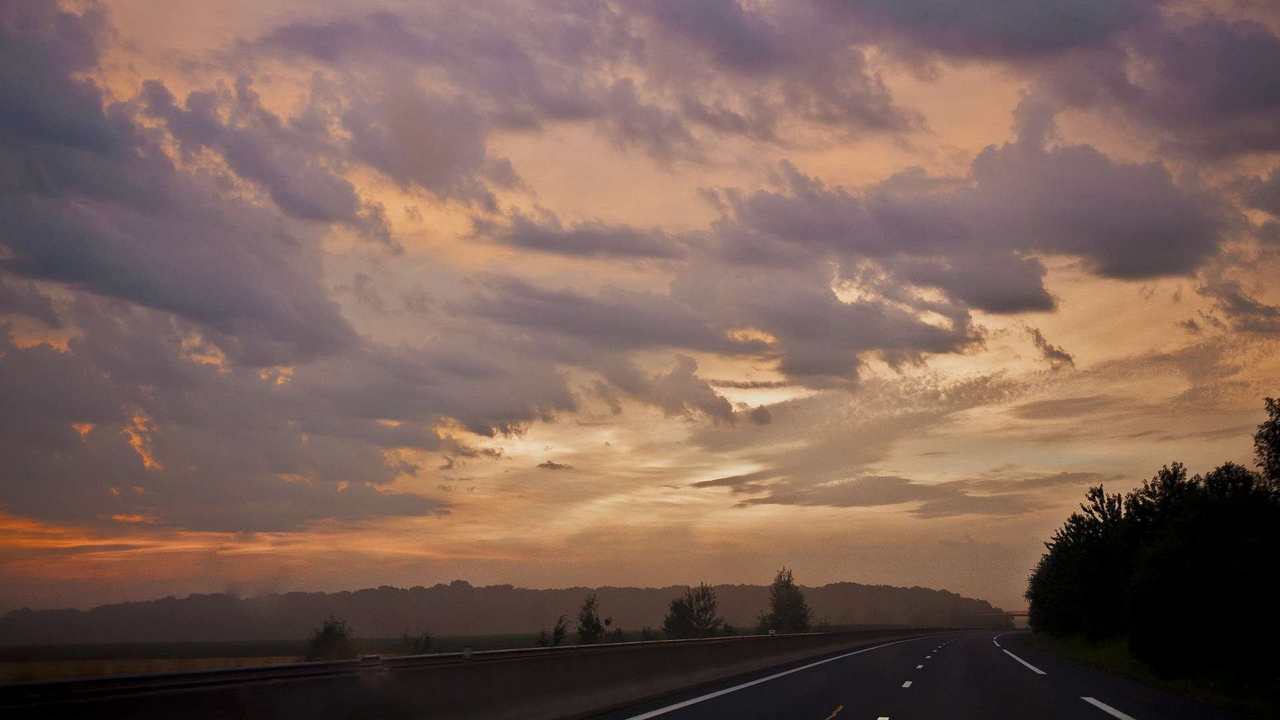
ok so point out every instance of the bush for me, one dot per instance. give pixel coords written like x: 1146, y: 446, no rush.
x: 558, y: 633
x: 334, y: 640
x: 693, y: 615
x: 416, y: 644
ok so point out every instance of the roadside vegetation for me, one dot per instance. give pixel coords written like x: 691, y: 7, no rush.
x: 334, y: 640
x: 694, y: 615
x: 1175, y: 579
x: 788, y: 610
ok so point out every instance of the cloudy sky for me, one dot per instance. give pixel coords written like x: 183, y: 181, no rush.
x: 304, y: 295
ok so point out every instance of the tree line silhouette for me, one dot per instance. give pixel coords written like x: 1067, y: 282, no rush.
x: 1184, y: 567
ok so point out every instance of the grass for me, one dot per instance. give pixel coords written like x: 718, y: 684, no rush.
x: 1113, y: 656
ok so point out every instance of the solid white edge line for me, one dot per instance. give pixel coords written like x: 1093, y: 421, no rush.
x: 1030, y: 667
x: 694, y: 701
x: 1107, y: 708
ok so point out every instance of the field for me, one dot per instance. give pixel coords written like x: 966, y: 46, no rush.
x: 55, y: 662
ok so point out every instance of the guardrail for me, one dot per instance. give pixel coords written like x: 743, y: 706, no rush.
x: 564, y: 681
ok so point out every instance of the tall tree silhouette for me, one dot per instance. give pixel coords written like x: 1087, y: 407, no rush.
x: 788, y: 610
x: 1266, y: 443
x: 590, y: 628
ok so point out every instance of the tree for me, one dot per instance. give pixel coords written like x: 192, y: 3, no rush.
x: 1078, y: 584
x: 416, y: 644
x: 788, y: 610
x: 590, y: 627
x: 334, y: 640
x: 1171, y: 564
x: 693, y: 615
x: 1266, y: 443
x: 558, y: 633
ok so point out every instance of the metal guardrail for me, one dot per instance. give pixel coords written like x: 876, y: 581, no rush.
x: 80, y: 689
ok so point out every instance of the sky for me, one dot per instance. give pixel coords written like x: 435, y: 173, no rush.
x: 325, y: 295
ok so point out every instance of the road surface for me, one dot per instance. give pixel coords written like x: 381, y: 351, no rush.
x: 963, y: 675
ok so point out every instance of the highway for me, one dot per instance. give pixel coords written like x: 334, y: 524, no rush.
x: 963, y: 675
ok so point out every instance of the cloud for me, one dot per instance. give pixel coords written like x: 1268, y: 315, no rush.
x: 291, y: 159
x: 92, y: 201
x: 659, y: 76
x: 553, y: 465
x: 932, y: 500
x: 1065, y: 407
x: 1006, y: 30
x: 1263, y: 193
x: 1243, y: 311
x: 975, y: 238
x: 592, y: 238
x: 614, y: 318
x: 1191, y: 79
x: 1054, y: 354
x: 179, y: 442
x: 22, y: 297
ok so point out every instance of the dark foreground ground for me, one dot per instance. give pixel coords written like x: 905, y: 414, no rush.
x: 966, y: 675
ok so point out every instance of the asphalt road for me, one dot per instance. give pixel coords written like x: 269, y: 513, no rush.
x: 962, y: 675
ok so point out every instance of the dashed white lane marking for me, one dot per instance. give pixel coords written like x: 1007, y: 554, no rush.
x: 906, y: 684
x: 883, y: 717
x: 919, y: 667
x: 1107, y: 709
x: 928, y: 657
x: 1029, y: 666
x: 701, y: 698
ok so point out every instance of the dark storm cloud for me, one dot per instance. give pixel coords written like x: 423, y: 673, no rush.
x: 721, y: 68
x: 1263, y: 193
x: 615, y: 319
x: 162, y: 408
x: 227, y: 450
x: 1011, y: 30
x: 1210, y: 85
x: 969, y: 237
x: 290, y: 159
x: 798, y: 51
x: 91, y: 200
x: 41, y: 50
x: 22, y: 297
x: 235, y: 449
x: 1201, y: 85
x: 593, y: 238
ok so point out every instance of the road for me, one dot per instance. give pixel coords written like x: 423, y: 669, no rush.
x: 962, y: 675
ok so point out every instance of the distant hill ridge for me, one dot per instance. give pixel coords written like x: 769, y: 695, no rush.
x: 459, y: 608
